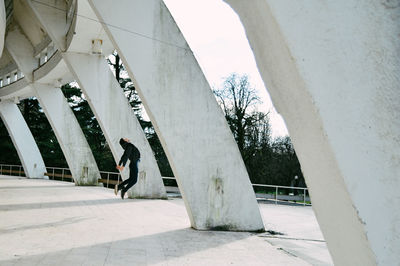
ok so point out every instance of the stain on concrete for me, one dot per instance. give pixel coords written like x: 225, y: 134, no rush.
x: 216, y: 204
x: 272, y: 232
x: 391, y: 3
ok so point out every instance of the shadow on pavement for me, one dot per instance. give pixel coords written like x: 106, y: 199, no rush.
x: 142, y: 250
x: 60, y: 204
x: 62, y: 222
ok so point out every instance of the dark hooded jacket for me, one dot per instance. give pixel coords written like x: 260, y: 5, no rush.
x: 130, y: 152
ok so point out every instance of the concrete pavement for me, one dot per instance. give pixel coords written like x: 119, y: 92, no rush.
x: 47, y: 222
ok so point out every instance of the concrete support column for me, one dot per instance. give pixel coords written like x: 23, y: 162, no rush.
x: 116, y: 119
x: 192, y: 128
x: 68, y: 132
x: 76, y: 150
x: 22, y: 138
x: 333, y: 71
x: 102, y: 90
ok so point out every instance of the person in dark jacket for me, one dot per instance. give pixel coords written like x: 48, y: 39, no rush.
x: 132, y: 153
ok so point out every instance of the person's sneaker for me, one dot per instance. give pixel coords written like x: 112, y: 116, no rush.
x: 122, y: 194
x: 116, y: 190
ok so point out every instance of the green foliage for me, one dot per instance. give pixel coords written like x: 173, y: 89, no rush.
x: 90, y: 127
x: 126, y: 83
x: 158, y: 151
x: 8, y: 154
x: 42, y: 133
x: 136, y: 104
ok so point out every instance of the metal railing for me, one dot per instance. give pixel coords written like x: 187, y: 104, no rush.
x: 10, y: 169
x: 59, y: 173
x: 296, y: 194
x: 278, y: 194
x: 105, y: 178
x: 64, y: 174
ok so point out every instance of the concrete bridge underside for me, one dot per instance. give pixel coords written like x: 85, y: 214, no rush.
x: 332, y: 70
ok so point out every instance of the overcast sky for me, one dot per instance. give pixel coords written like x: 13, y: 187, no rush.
x: 216, y: 36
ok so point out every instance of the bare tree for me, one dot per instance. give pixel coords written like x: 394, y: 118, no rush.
x: 235, y: 98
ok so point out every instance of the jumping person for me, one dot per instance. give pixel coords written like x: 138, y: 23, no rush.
x: 132, y: 153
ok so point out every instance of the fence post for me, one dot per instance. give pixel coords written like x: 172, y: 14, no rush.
x: 276, y: 195
x: 1, y: 168
x: 10, y: 169
x: 20, y: 168
x: 62, y: 175
x: 304, y: 196
x: 53, y: 173
x: 108, y: 177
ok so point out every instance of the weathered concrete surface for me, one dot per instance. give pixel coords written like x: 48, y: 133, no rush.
x: 116, y: 119
x: 332, y: 69
x: 69, y: 135
x: 21, y: 50
x: 23, y: 141
x: 54, y: 13
x: 68, y: 132
x: 102, y: 90
x: 56, y: 222
x: 191, y: 126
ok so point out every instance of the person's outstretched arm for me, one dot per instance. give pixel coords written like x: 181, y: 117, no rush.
x: 124, y: 158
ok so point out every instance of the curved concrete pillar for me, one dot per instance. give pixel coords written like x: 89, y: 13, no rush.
x: 116, y: 119
x: 76, y: 150
x: 192, y: 128
x: 68, y: 132
x: 23, y: 140
x: 333, y: 71
x: 102, y: 90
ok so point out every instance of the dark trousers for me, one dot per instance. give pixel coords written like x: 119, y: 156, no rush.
x: 133, y: 175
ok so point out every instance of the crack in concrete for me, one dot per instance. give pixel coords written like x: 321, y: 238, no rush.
x: 292, y: 238
x: 287, y: 252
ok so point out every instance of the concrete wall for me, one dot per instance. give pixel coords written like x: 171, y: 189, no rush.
x: 332, y: 69
x: 192, y: 128
x: 116, y: 119
x: 22, y: 139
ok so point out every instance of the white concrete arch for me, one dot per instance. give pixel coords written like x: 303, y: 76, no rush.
x: 193, y: 131
x: 72, y: 141
x: 103, y: 92
x: 23, y: 141
x: 116, y: 119
x: 332, y: 69
x: 210, y: 207
x: 39, y: 79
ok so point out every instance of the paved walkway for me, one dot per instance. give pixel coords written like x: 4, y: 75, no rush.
x: 46, y: 222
